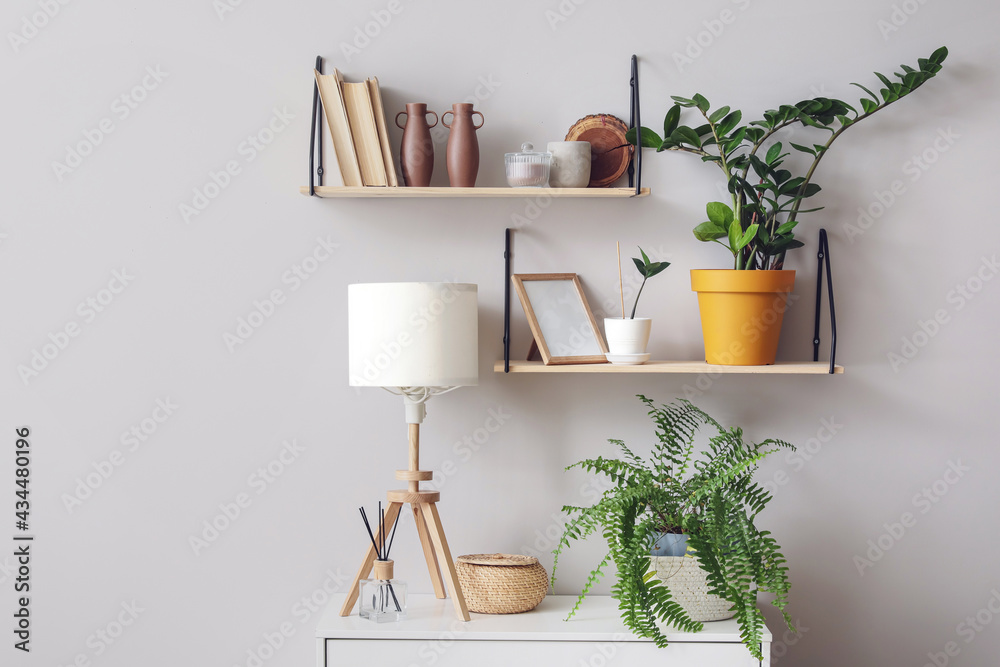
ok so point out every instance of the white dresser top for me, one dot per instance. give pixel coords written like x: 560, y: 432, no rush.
x: 598, y: 619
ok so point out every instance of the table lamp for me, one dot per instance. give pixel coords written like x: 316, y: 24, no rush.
x: 416, y: 340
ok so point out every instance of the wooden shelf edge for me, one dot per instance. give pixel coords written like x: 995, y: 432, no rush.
x: 663, y: 367
x: 333, y: 192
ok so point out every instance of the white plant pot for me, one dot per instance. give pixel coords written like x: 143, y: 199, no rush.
x: 627, y: 336
x: 688, y: 585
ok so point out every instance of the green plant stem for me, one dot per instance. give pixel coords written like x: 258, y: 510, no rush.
x: 639, y: 293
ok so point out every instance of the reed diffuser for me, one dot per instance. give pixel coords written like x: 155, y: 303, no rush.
x: 383, y: 599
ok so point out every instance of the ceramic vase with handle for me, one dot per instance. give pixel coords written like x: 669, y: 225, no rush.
x: 463, y: 145
x: 416, y: 152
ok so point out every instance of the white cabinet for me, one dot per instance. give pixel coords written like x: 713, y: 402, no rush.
x: 431, y: 635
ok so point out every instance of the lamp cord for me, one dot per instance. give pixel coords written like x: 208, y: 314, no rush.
x: 418, y: 394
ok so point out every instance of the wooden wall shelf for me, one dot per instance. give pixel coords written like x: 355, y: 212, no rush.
x: 334, y: 192
x: 779, y: 368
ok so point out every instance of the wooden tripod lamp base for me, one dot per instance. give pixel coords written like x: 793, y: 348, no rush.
x: 432, y: 538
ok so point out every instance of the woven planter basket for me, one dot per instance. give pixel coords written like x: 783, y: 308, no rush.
x: 688, y: 585
x: 501, y: 583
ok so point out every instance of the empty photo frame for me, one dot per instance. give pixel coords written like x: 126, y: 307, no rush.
x: 560, y: 318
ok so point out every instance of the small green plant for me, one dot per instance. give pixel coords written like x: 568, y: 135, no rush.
x: 647, y: 270
x: 712, y: 498
x: 756, y: 226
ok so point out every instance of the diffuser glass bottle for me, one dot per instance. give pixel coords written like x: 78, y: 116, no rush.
x: 383, y: 599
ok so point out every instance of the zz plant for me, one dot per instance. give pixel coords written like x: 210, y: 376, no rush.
x: 712, y: 498
x: 757, y: 225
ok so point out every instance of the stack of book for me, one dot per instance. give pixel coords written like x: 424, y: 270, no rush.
x: 356, y: 120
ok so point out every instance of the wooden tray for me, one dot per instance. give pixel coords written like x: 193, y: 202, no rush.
x: 610, y: 152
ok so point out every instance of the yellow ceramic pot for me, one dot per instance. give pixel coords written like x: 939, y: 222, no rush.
x: 741, y: 314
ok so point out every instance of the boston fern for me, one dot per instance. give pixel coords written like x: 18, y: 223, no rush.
x: 712, y: 498
x: 757, y: 227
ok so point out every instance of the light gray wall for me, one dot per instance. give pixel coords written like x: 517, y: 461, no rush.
x: 162, y: 337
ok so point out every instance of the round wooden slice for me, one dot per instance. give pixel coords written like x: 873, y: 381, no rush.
x: 610, y: 152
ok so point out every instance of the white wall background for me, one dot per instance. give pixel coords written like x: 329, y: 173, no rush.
x: 162, y: 337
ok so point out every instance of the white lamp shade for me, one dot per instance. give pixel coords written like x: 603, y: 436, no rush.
x: 413, y: 334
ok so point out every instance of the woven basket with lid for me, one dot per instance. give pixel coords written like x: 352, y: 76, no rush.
x: 501, y: 583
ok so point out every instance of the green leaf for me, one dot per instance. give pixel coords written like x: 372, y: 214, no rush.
x: 718, y: 114
x: 709, y: 231
x: 656, y: 267
x: 747, y: 237
x: 874, y: 96
x: 733, y: 142
x: 868, y: 106
x: 671, y: 119
x: 939, y: 55
x: 644, y: 258
x: 811, y: 189
x: 786, y: 228
x: 804, y: 149
x: 772, y: 153
x: 650, y: 139
x: 701, y: 102
x: 687, y: 135
x: 884, y: 79
x: 719, y: 213
x: 683, y: 101
x: 729, y: 122
x: 639, y: 265
x: 735, y: 234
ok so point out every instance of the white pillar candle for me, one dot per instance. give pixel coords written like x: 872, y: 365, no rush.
x: 570, y: 164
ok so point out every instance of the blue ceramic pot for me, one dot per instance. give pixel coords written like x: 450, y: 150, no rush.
x: 669, y: 544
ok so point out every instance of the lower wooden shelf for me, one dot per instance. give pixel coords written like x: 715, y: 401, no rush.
x: 779, y: 368
x: 333, y: 192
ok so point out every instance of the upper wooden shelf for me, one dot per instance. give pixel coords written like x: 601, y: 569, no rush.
x: 332, y: 192
x: 779, y: 368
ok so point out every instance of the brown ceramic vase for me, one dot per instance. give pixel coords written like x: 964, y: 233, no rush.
x: 463, y: 145
x: 416, y: 152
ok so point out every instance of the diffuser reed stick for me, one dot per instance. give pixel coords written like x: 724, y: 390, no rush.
x: 621, y: 289
x: 381, y: 548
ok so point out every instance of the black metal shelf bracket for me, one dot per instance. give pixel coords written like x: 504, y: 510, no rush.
x: 316, y: 136
x: 823, y: 257
x: 635, y: 165
x: 506, y: 301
